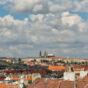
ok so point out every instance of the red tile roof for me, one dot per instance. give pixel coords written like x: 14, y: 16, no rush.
x: 56, y: 67
x: 3, y: 85
x: 41, y: 83
x: 80, y: 67
x: 56, y: 58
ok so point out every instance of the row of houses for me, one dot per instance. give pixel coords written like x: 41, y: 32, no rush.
x: 17, y: 80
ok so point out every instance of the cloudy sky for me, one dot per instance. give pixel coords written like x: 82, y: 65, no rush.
x: 55, y: 26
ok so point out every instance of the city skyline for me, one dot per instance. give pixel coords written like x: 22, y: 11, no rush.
x: 56, y: 26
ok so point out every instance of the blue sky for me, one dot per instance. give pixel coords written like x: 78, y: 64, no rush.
x: 3, y: 12
x: 84, y: 15
x: 55, y: 26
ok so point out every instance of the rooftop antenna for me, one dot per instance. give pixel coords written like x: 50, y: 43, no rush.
x: 34, y: 84
x: 45, y: 83
x: 75, y: 85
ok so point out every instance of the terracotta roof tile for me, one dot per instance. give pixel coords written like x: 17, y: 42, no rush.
x: 41, y: 83
x: 56, y: 67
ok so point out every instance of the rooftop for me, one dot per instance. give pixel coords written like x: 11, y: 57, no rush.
x: 50, y: 83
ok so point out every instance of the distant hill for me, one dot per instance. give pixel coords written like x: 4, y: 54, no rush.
x: 3, y: 57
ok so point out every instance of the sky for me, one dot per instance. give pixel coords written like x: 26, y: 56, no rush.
x: 56, y: 26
